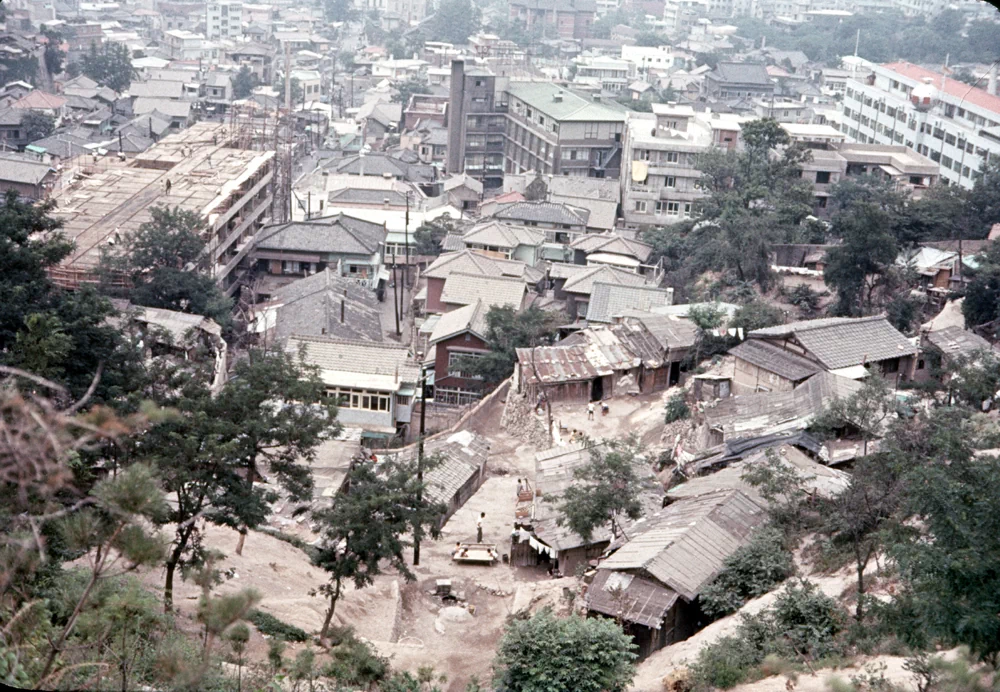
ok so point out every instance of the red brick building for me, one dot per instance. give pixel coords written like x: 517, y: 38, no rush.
x: 458, y: 335
x: 569, y: 19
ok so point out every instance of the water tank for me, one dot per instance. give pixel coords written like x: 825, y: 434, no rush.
x: 924, y: 95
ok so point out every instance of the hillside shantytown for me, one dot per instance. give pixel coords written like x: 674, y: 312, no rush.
x: 500, y: 345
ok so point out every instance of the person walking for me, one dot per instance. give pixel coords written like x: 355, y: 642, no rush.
x: 479, y: 527
x: 590, y: 411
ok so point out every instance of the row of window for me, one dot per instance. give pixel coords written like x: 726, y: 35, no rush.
x: 664, y: 208
x: 362, y: 399
x: 660, y: 157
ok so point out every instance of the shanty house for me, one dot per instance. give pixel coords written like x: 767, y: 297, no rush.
x: 609, y: 302
x: 26, y: 176
x: 951, y: 344
x: 460, y: 471
x: 543, y: 540
x: 373, y: 384
x: 653, y: 580
x: 784, y: 355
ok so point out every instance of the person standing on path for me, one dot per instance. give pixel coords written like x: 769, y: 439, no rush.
x: 590, y: 411
x: 479, y: 527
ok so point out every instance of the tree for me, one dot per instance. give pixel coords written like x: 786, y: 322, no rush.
x: 650, y: 38
x: 606, y: 490
x: 982, y: 296
x: 160, y: 263
x: 544, y: 653
x: 984, y: 197
x: 340, y: 11
x: 110, y: 65
x: 272, y: 411
x: 404, y: 90
x: 508, y: 330
x: 454, y: 21
x: 757, y: 314
x: 973, y: 379
x: 37, y: 125
x: 861, y: 268
x: 364, y: 529
x: 244, y: 83
x: 430, y: 234
x: 751, y: 571
x: 865, y: 411
x: 756, y: 197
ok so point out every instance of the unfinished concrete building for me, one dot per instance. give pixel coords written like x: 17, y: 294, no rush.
x: 201, y: 170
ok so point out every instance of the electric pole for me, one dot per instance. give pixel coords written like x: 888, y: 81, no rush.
x: 395, y: 288
x: 420, y: 465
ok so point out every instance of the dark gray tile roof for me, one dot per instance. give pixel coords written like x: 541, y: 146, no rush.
x: 461, y: 288
x: 462, y: 456
x: 361, y: 196
x: 955, y: 341
x: 339, y: 234
x: 17, y: 168
x: 608, y: 301
x: 742, y: 73
x: 614, y: 244
x: 774, y: 359
x: 382, y: 164
x: 583, y: 282
x: 684, y: 545
x: 839, y: 342
x: 312, y: 307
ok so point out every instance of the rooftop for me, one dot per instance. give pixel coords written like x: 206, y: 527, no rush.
x: 544, y: 212
x: 565, y: 105
x: 313, y: 307
x: 608, y: 301
x: 470, y: 318
x: 464, y: 289
x: 969, y: 94
x: 354, y: 363
x: 340, y: 234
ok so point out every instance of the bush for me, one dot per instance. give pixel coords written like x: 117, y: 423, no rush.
x: 273, y: 627
x: 808, y: 619
x: 677, y: 408
x: 354, y: 662
x: 751, y: 571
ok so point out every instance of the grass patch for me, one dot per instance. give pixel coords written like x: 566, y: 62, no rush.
x: 273, y: 627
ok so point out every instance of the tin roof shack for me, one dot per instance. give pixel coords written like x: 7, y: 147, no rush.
x: 200, y: 169
x: 373, y: 384
x: 756, y: 415
x: 610, y: 302
x: 783, y: 355
x: 559, y: 546
x: 460, y: 469
x: 953, y: 344
x: 652, y: 581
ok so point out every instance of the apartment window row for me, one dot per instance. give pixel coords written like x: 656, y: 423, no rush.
x: 363, y: 399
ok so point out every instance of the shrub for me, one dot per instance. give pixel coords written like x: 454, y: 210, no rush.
x: 273, y: 627
x: 354, y: 662
x: 808, y: 619
x: 751, y: 571
x: 677, y: 408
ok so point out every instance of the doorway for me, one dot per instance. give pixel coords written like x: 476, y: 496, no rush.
x: 597, y: 389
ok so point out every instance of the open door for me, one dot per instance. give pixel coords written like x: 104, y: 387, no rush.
x: 597, y: 389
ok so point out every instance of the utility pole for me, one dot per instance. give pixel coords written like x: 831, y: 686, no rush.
x: 420, y: 465
x: 406, y: 233
x: 395, y: 288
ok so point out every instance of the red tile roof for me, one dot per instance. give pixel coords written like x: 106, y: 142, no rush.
x: 39, y: 100
x: 952, y: 87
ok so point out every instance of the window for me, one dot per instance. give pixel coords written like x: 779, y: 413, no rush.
x: 687, y: 209
x: 671, y: 181
x: 673, y: 208
x: 949, y: 139
x: 590, y: 130
x: 363, y: 399
x: 661, y: 207
x: 455, y: 359
x: 673, y: 157
x: 644, y: 154
x: 822, y: 177
x: 529, y: 113
x: 479, y: 82
x: 640, y: 206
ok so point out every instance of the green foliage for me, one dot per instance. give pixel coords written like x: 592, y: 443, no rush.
x: 404, y: 90
x: 802, y: 622
x: 273, y: 627
x: 508, y: 330
x: 864, y: 413
x: 751, y: 571
x: 160, y: 262
x: 37, y: 125
x: 805, y: 299
x: 454, y: 21
x: 982, y: 296
x: 363, y: 532
x: 606, y: 490
x: 973, y: 379
x: 430, y: 234
x: 757, y: 314
x: 244, y: 83
x: 340, y: 11
x: 110, y: 65
x: 544, y: 653
x: 677, y: 408
x: 354, y: 663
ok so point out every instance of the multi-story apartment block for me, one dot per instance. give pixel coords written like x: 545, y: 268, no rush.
x: 185, y: 45
x: 646, y: 58
x: 476, y: 126
x: 660, y: 180
x: 606, y: 74
x: 223, y: 19
x: 951, y: 123
x: 553, y: 130
x: 569, y: 19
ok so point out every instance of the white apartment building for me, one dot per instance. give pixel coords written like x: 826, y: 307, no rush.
x: 223, y: 19
x: 647, y: 58
x: 186, y: 45
x: 659, y: 179
x: 610, y: 74
x: 955, y: 125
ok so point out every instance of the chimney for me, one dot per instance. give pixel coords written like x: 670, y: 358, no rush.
x: 557, y: 97
x: 992, y: 84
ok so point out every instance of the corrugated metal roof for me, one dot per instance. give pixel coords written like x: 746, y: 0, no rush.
x: 685, y: 545
x: 630, y: 598
x: 560, y: 364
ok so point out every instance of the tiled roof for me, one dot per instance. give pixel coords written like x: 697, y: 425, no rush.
x: 356, y: 195
x: 786, y: 364
x: 612, y: 243
x: 39, y: 100
x: 742, y: 73
x: 544, y: 212
x: 20, y: 169
x: 583, y: 282
x: 358, y: 357
x: 168, y: 107
x: 465, y: 261
x: 684, y: 545
x: 472, y: 318
x: 838, y: 342
x: 462, y: 289
x: 339, y: 234
x: 955, y: 341
x: 501, y: 234
x: 952, y: 87
x: 608, y: 301
x: 312, y: 307
x: 157, y: 88
x: 462, y: 455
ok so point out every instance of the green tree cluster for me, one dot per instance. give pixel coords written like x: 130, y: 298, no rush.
x: 508, y: 330
x: 109, y: 65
